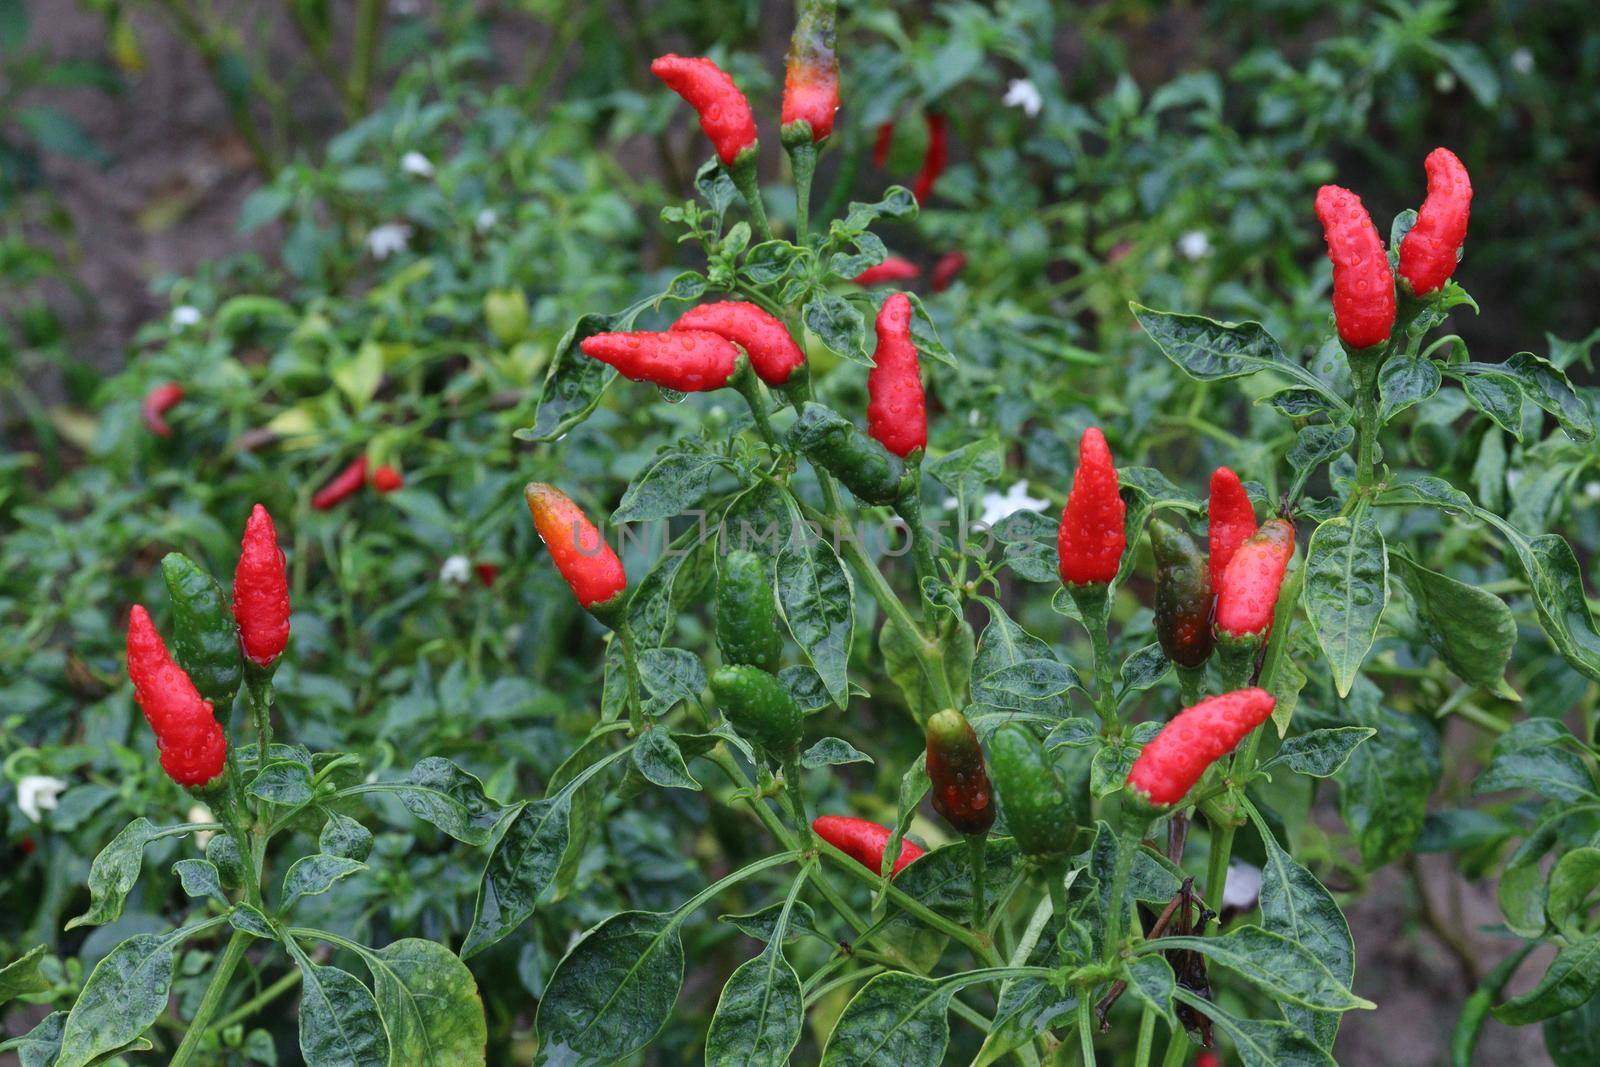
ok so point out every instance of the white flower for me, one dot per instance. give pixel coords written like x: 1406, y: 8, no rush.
x: 185, y: 315
x: 384, y: 241
x: 37, y: 793
x: 1522, y: 61
x: 1592, y: 490
x: 1024, y: 94
x: 998, y: 506
x: 456, y: 570
x: 486, y: 220
x: 201, y: 813
x: 1194, y: 245
x: 417, y: 164
x: 1242, y: 887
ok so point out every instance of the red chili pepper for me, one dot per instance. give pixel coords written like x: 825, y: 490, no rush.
x: 944, y: 272
x: 893, y: 269
x: 1432, y: 248
x: 811, y: 78
x: 343, y: 485
x: 193, y: 748
x: 1248, y: 594
x: 880, y: 145
x: 897, y: 413
x: 1197, y: 737
x: 1207, y: 1059
x: 157, y: 402
x: 1363, y: 285
x: 386, y: 479
x: 1233, y: 520
x: 1092, y: 534
x: 935, y: 159
x: 582, y: 556
x: 724, y: 112
x: 863, y: 841
x: 487, y: 573
x: 690, y: 361
x: 772, y: 351
x: 261, y: 591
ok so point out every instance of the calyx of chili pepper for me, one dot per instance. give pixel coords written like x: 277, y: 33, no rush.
x: 157, y: 402
x: 871, y: 472
x: 864, y: 841
x: 1183, y: 596
x: 1363, y: 284
x: 193, y: 747
x: 961, y: 791
x: 897, y: 414
x: 935, y: 159
x: 342, y: 486
x: 773, y: 353
x: 261, y: 592
x: 1431, y: 249
x: 1092, y: 536
x: 724, y: 112
x: 811, y: 75
x: 205, y: 637
x: 1174, y: 760
x: 690, y: 361
x: 582, y: 556
x: 1232, y: 520
x: 893, y: 269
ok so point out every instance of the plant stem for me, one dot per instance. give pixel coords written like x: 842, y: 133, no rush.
x: 231, y: 955
x: 259, y: 1001
x: 363, y: 56
x: 1085, y: 1028
x: 1364, y: 370
x: 803, y: 159
x: 1094, y: 605
x: 797, y: 799
x: 977, y: 848
x: 1147, y: 1035
x: 744, y: 178
x: 630, y: 660
x: 1177, y: 1050
x: 1217, y: 865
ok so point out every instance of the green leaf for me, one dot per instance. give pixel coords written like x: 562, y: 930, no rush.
x: 1278, y: 966
x: 1540, y: 755
x: 339, y: 1021
x: 21, y: 976
x: 1151, y: 981
x: 199, y: 878
x: 762, y: 925
x: 669, y: 676
x: 1320, y: 753
x: 1262, y: 1042
x: 125, y: 994
x: 286, y: 782
x: 1347, y: 587
x: 1142, y: 669
x: 1573, y: 1038
x: 1572, y: 978
x: 832, y: 752
x: 838, y: 324
x: 1404, y: 381
x: 612, y: 992
x: 1315, y: 445
x: 817, y: 598
x: 1473, y: 631
x: 429, y: 1004
x: 1211, y: 351
x: 968, y: 470
x: 1572, y: 879
x: 674, y: 484
x: 114, y: 872
x: 759, y: 1015
x: 252, y: 920
x: 1546, y: 385
x: 343, y: 836
x: 39, y: 1046
x: 657, y: 757
x: 443, y: 795
x: 314, y: 875
x: 1497, y: 396
x: 1000, y: 680
x: 522, y: 865
x: 1385, y: 786
x: 896, y: 1018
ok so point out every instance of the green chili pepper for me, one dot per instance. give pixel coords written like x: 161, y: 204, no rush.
x: 747, y: 614
x: 205, y: 639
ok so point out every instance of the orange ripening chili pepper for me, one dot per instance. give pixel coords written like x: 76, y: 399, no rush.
x: 690, y: 361
x: 1431, y: 249
x: 897, y: 413
x: 724, y: 112
x: 772, y: 350
x: 811, y: 76
x: 193, y: 747
x: 582, y: 556
x: 1092, y: 534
